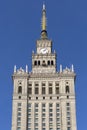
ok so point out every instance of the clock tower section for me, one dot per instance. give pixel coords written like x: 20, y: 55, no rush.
x: 44, y: 60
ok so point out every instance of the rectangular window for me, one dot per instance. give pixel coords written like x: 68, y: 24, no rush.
x: 18, y: 128
x: 36, y: 119
x: 50, y: 90
x: 58, y: 114
x: 29, y: 128
x: 57, y: 84
x: 51, y: 124
x: 36, y: 128
x: 58, y: 124
x: 29, y: 90
x: 50, y: 105
x: 50, y: 110
x: 43, y: 84
x: 19, y: 109
x: 50, y: 114
x: 68, y: 123
x: 68, y: 108
x: 68, y: 128
x: 43, y: 119
x: 19, y: 119
x: 51, y: 128
x: 19, y: 114
x: 30, y: 84
x: 29, y: 124
x: 57, y: 105
x: 67, y: 104
x: 68, y: 118
x: 36, y: 124
x: 57, y: 90
x: 58, y: 119
x: 36, y: 105
x: 43, y: 128
x: 43, y: 114
x: 29, y: 105
x: 36, y: 110
x: 36, y: 114
x: 43, y: 110
x: 29, y: 119
x: 19, y: 124
x: 19, y: 104
x: 50, y: 119
x: 58, y: 110
x: 36, y: 90
x: 68, y: 113
x: 29, y: 110
x: 29, y: 114
x: 43, y: 90
x: 58, y: 128
x: 50, y: 84
x: 43, y: 124
x: 43, y: 105
x: 36, y: 84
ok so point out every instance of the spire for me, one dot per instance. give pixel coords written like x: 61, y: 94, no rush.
x: 43, y: 23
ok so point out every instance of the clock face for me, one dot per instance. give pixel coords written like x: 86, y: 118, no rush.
x: 44, y: 51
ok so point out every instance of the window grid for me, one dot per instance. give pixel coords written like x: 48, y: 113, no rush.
x: 29, y: 116
x: 68, y: 117
x: 50, y: 116
x: 19, y: 116
x: 58, y: 124
x: 43, y: 90
x: 36, y: 119
x: 36, y: 90
x: 43, y: 116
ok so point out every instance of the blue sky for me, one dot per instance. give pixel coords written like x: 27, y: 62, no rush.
x: 20, y: 26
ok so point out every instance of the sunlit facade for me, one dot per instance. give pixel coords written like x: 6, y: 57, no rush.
x: 44, y: 99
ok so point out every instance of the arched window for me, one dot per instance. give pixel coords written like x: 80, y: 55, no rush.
x: 19, y: 89
x: 67, y: 89
x: 48, y: 62
x: 39, y: 62
x: 43, y: 63
x: 51, y: 62
x: 35, y: 62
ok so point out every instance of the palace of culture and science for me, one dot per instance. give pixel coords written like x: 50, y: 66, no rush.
x: 44, y: 99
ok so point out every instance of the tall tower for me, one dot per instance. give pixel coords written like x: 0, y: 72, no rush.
x: 44, y: 99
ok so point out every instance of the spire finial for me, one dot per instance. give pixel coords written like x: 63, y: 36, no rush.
x: 60, y: 68
x: 44, y: 23
x: 43, y: 6
x: 26, y: 68
x: 72, y: 68
x: 15, y: 69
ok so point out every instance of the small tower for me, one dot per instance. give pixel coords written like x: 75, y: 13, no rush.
x: 20, y: 80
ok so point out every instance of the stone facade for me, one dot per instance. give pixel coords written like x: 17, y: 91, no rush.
x: 44, y: 99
